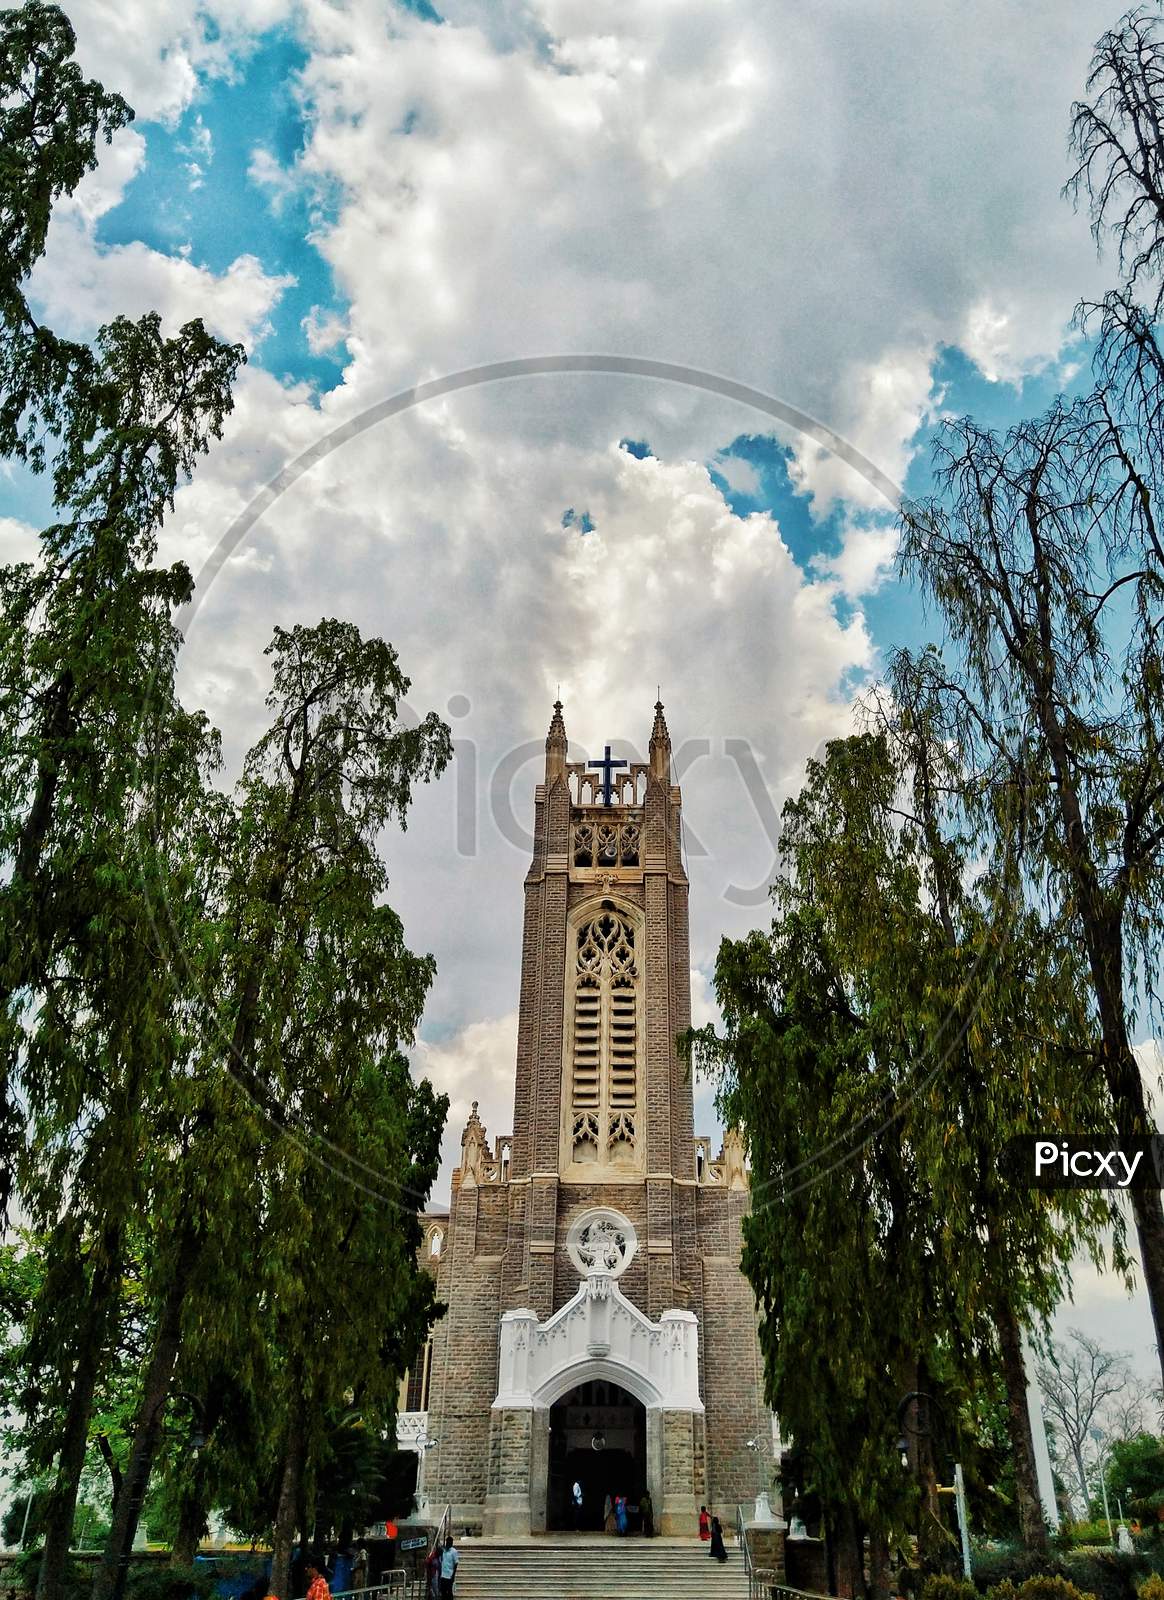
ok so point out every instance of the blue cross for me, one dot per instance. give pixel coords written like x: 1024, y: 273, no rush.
x: 607, y: 765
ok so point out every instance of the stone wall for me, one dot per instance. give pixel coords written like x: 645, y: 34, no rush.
x: 767, y: 1546
x: 731, y: 1376
x: 464, y: 1362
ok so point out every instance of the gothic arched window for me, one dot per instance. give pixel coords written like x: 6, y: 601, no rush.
x: 604, y: 1039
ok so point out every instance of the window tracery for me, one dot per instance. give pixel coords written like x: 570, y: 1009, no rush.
x: 606, y: 844
x: 604, y: 1071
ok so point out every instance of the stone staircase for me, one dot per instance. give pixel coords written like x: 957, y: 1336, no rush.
x: 598, y: 1566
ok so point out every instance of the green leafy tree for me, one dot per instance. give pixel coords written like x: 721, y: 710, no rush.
x: 1135, y: 1473
x: 882, y: 1044
x: 312, y: 991
x: 99, y: 765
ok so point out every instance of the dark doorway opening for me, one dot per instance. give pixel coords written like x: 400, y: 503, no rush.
x: 598, y: 1439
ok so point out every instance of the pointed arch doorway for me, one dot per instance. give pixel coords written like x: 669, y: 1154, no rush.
x: 598, y: 1439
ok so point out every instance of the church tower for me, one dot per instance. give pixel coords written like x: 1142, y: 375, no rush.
x: 599, y: 1331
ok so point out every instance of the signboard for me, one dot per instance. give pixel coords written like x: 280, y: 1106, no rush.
x: 414, y: 1544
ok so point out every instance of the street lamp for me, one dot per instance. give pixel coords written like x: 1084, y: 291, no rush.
x: 763, y: 1504
x: 957, y: 1488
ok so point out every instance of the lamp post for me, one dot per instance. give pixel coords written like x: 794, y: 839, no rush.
x: 957, y: 1488
x: 763, y: 1504
x: 33, y: 1491
x: 1101, y: 1439
x: 424, y: 1443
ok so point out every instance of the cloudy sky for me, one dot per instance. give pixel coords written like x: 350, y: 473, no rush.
x: 853, y: 208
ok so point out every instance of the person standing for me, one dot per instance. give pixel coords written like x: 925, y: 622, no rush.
x: 704, y: 1524
x: 608, y: 1523
x: 450, y: 1559
x: 647, y: 1511
x: 576, y: 1503
x: 717, y: 1551
x: 620, y: 1512
x: 317, y: 1588
x: 341, y: 1572
x: 360, y: 1569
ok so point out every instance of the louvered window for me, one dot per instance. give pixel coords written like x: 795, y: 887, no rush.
x: 604, y: 1067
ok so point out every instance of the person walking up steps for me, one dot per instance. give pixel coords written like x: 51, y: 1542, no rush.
x: 717, y: 1551
x: 450, y: 1558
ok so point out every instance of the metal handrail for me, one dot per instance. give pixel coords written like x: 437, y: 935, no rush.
x: 780, y: 1591
x: 392, y: 1581
x: 742, y: 1541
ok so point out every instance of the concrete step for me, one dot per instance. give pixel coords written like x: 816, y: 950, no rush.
x: 596, y: 1567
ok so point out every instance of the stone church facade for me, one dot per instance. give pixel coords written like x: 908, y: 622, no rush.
x: 599, y: 1329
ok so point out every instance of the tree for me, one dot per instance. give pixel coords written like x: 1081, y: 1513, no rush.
x: 311, y: 991
x: 1135, y: 1472
x: 1042, y: 552
x: 882, y: 1044
x: 98, y: 761
x: 1081, y: 1383
x: 1065, y: 767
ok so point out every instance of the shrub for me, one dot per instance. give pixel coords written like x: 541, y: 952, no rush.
x: 26, y: 1569
x: 939, y: 1586
x: 1014, y: 1565
x: 1151, y: 1587
x: 159, y: 1581
x: 1050, y: 1586
x: 1108, y: 1573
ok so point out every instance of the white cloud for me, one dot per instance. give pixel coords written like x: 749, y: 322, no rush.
x: 740, y: 476
x: 80, y: 285
x: 475, y: 1065
x: 155, y: 55
x: 865, y: 560
x: 811, y: 200
x: 18, y: 541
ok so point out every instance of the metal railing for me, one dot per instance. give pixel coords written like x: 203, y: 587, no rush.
x: 396, y: 1583
x: 765, y: 1583
x: 779, y: 1590
x: 745, y: 1547
x: 393, y: 1582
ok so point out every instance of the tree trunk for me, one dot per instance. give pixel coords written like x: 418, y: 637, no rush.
x: 826, y: 1529
x: 1032, y: 1522
x: 849, y: 1568
x: 1077, y: 1452
x: 191, y: 1527
x: 879, y: 1588
x: 112, y: 1466
x: 286, y: 1516
x: 112, y: 1570
x: 61, y: 1506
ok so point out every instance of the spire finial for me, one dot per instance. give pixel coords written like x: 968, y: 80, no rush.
x: 556, y: 744
x: 660, y: 752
